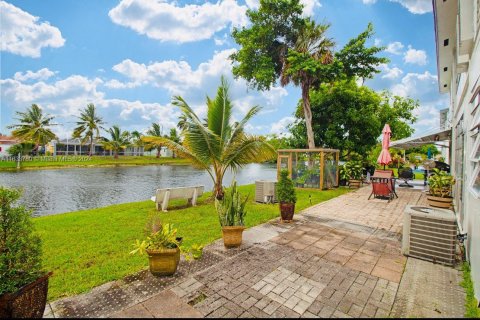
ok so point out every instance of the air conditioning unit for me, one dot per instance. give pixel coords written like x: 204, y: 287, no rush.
x: 265, y: 191
x: 429, y: 234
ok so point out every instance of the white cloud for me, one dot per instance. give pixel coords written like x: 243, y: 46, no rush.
x: 414, y: 56
x: 308, y: 5
x: 414, y: 6
x: 281, y: 125
x: 390, y: 73
x: 417, y: 85
x: 42, y: 74
x: 23, y: 34
x: 165, y: 21
x: 394, y: 47
x: 66, y: 97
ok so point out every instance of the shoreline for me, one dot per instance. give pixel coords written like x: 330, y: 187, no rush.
x: 175, y: 162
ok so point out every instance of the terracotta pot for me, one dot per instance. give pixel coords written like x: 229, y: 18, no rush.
x: 352, y: 183
x: 28, y: 302
x: 287, y: 210
x: 440, y: 202
x: 232, y: 236
x: 163, y: 262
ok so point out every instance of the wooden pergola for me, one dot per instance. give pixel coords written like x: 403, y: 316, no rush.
x: 310, y: 168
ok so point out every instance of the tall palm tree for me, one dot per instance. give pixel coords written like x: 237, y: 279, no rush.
x: 304, y: 65
x: 88, y: 126
x: 217, y: 144
x: 118, y: 140
x: 34, y: 127
x: 155, y: 131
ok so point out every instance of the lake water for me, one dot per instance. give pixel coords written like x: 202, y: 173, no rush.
x: 55, y: 191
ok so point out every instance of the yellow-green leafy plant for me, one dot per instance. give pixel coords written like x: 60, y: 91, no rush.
x: 441, y: 183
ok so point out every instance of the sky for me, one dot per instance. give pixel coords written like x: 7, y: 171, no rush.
x: 130, y: 57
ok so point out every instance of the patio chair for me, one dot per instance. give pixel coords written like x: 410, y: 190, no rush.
x: 406, y: 174
x: 382, y: 188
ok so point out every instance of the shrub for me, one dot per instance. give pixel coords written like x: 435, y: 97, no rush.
x: 23, y: 148
x: 20, y: 247
x: 231, y: 209
x: 285, y: 190
x: 353, y: 170
x: 157, y: 236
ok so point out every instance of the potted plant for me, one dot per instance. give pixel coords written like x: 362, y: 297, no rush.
x: 23, y: 284
x: 162, y: 247
x: 440, y: 189
x: 231, y: 214
x: 354, y: 172
x: 286, y: 196
x: 343, y: 175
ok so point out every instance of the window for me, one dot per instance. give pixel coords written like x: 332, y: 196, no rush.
x: 475, y: 134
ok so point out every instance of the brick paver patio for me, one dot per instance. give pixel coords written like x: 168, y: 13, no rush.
x: 340, y: 258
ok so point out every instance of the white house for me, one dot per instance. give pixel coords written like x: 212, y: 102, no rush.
x: 457, y: 34
x: 5, y: 143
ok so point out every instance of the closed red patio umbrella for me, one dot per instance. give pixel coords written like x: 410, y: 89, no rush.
x: 385, y: 157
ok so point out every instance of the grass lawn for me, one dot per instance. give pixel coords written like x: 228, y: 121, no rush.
x: 87, y: 248
x: 75, y: 161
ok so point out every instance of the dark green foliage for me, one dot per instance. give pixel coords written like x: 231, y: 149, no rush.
x: 231, y: 209
x: 358, y: 60
x: 350, y: 117
x: 285, y: 190
x: 353, y: 170
x: 20, y: 248
x: 265, y: 42
x: 23, y: 148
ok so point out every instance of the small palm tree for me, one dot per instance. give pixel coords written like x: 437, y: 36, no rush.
x: 175, y: 138
x: 136, y: 138
x: 88, y: 126
x: 118, y: 140
x: 155, y: 131
x: 217, y: 144
x: 34, y: 127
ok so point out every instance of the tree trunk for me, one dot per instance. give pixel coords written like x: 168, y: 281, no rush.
x: 218, y: 188
x: 308, y: 114
x: 115, y: 155
x: 91, y: 146
x: 159, y: 149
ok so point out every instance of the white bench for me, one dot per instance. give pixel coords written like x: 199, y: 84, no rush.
x: 163, y: 196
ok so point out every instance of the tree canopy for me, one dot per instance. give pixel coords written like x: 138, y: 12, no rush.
x: 282, y: 44
x: 350, y: 117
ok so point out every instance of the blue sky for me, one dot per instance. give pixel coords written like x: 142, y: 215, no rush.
x: 130, y: 57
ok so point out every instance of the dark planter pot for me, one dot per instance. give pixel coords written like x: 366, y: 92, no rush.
x: 287, y: 210
x: 28, y: 302
x: 342, y: 182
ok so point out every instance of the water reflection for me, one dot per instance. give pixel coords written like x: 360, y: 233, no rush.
x: 54, y: 191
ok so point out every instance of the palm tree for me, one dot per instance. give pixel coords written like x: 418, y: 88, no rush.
x: 118, y: 140
x: 304, y: 65
x: 155, y: 131
x: 88, y: 126
x: 137, y: 141
x: 217, y: 143
x: 34, y: 127
x: 175, y: 138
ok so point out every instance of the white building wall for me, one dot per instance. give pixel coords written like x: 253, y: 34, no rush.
x: 461, y: 94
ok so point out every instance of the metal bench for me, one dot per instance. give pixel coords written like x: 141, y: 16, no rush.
x: 163, y: 196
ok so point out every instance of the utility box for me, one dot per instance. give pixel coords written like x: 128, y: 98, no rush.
x: 265, y: 191
x: 429, y: 234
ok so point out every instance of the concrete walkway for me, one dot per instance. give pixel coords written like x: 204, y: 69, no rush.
x: 340, y: 258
